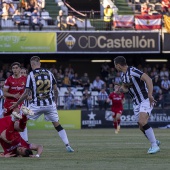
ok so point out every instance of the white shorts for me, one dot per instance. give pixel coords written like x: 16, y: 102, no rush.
x: 50, y: 112
x: 144, y: 106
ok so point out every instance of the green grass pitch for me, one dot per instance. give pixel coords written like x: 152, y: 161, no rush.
x: 95, y: 149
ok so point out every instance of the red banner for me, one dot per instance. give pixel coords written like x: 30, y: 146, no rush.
x: 148, y: 22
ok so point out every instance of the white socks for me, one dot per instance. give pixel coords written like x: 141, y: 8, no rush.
x: 63, y: 136
x: 151, y: 136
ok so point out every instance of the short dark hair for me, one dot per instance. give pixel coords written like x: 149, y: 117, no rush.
x: 35, y: 58
x: 16, y: 63
x: 23, y: 68
x: 120, y: 60
x: 28, y: 152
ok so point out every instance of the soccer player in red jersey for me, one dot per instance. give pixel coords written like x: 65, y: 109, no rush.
x: 10, y: 139
x: 13, y: 88
x: 117, y: 99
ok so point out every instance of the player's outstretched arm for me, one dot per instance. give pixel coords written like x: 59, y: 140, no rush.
x: 21, y: 99
x: 7, y: 94
x: 38, y: 148
x: 8, y: 155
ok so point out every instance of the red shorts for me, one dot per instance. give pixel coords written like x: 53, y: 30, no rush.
x: 117, y: 111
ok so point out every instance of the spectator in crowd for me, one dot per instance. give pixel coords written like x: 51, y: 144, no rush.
x: 154, y: 72
x: 8, y: 8
x: 92, y: 14
x: 61, y: 21
x: 41, y: 5
x: 30, y: 5
x: 1, y: 73
x: 98, y: 84
x: 159, y: 97
x: 75, y: 80
x: 108, y: 15
x: 165, y: 5
x: 85, y: 81
x: 110, y: 89
x: 156, y: 84
x: 54, y: 71
x: 66, y: 80
x: 102, y: 99
x: 111, y: 76
x: 35, y: 20
x: 104, y: 70
x: 69, y: 69
x: 145, y: 9
x: 71, y: 21
x: 59, y: 79
x: 22, y: 5
x: 137, y: 6
x: 5, y: 11
x: 165, y: 86
x: 24, y: 71
x: 7, y: 74
x: 87, y: 99
x: 164, y: 72
x: 69, y: 101
x: 17, y: 18
x: 118, y: 79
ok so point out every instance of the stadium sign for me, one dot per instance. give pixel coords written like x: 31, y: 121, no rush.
x: 91, y: 119
x: 27, y: 42
x: 104, y: 119
x: 166, y: 45
x: 112, y: 42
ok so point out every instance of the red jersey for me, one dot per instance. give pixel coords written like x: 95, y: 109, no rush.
x: 16, y: 141
x: 12, y: 147
x: 4, y: 123
x: 14, y: 86
x: 116, y: 101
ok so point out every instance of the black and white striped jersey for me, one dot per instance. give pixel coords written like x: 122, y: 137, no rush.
x: 1, y: 99
x: 26, y: 103
x: 41, y: 82
x: 137, y: 90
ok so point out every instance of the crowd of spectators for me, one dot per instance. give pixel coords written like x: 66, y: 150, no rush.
x: 24, y: 12
x: 152, y: 7
x: 66, y: 22
x: 101, y: 86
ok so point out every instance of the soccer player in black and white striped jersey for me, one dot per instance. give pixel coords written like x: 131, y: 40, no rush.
x: 2, y: 81
x: 42, y: 84
x: 140, y: 87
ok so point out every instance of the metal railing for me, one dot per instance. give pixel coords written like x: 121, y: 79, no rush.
x: 48, y: 23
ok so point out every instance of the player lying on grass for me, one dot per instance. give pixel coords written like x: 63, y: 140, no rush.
x: 10, y: 139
